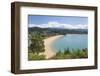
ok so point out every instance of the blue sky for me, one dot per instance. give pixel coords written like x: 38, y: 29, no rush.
x: 57, y: 21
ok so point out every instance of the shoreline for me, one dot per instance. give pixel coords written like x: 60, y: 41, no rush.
x: 47, y: 42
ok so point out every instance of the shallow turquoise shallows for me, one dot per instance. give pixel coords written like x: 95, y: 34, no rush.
x: 71, y: 41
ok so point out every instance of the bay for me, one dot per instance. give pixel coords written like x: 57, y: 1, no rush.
x: 71, y: 41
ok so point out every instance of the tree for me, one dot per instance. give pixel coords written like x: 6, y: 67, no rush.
x: 37, y: 45
x: 66, y: 51
x: 85, y: 51
x: 58, y: 53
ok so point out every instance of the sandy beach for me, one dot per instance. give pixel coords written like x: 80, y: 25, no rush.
x: 48, y: 50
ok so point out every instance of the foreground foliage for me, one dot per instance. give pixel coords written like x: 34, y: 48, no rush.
x: 71, y: 54
x: 65, y: 54
x: 32, y: 56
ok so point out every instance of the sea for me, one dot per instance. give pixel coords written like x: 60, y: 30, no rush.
x: 71, y: 41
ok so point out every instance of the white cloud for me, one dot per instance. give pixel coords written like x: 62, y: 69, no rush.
x: 59, y: 25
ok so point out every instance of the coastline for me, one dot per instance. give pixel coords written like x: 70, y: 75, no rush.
x: 47, y: 42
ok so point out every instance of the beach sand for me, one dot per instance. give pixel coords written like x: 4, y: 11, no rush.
x: 48, y: 50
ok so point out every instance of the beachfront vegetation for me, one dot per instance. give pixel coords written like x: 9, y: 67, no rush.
x: 32, y: 56
x: 71, y: 54
x: 36, y: 46
x: 65, y: 54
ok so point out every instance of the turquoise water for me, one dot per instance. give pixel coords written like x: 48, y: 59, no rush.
x: 71, y: 41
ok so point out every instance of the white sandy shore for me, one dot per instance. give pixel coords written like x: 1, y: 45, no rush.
x: 48, y: 50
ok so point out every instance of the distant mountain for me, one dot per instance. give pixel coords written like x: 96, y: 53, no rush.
x: 57, y: 30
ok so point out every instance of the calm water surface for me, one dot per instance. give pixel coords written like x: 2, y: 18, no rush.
x: 71, y: 41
